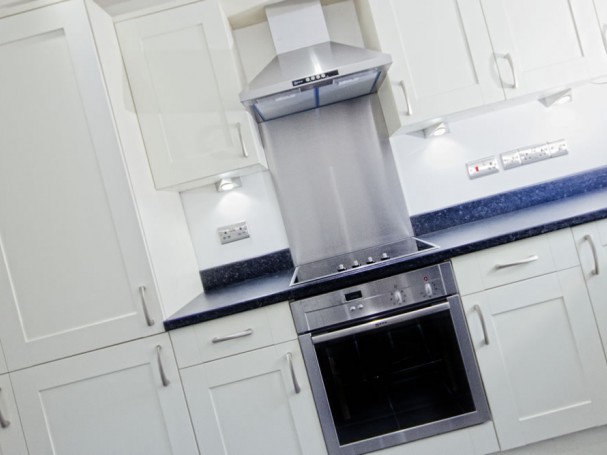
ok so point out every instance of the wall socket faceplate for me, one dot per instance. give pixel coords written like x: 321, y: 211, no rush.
x: 233, y: 232
x: 485, y: 166
x: 533, y: 154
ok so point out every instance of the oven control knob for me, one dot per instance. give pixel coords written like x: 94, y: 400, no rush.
x: 355, y: 264
x: 360, y: 306
x: 352, y: 308
x: 398, y: 297
x: 341, y: 268
x: 370, y: 260
x: 428, y: 289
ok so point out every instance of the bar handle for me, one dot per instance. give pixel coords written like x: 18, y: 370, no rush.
x: 150, y: 322
x: 4, y: 423
x: 483, y: 326
x: 245, y: 153
x: 407, y: 100
x: 595, y: 255
x: 508, y: 58
x: 244, y: 333
x: 293, y: 376
x: 532, y: 258
x: 163, y: 376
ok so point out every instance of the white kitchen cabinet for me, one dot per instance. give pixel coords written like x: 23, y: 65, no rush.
x: 544, y: 44
x: 76, y: 272
x: 11, y: 434
x: 185, y: 80
x: 3, y: 367
x: 591, y: 241
x: 125, y: 399
x: 249, y: 404
x: 536, y: 341
x: 442, y: 58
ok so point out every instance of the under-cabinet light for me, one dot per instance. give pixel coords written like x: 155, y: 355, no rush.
x: 558, y: 98
x: 436, y: 130
x: 228, y: 184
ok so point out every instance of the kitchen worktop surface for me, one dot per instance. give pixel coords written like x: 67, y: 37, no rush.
x: 454, y: 241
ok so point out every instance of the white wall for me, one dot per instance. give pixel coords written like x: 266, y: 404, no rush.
x: 432, y: 172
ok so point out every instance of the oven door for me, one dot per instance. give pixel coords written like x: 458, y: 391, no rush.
x: 394, y: 380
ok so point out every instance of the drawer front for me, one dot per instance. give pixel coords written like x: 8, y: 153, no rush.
x: 233, y: 334
x: 515, y: 261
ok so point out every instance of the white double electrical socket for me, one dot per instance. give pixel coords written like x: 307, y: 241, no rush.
x: 233, y: 232
x: 485, y: 166
x: 528, y: 155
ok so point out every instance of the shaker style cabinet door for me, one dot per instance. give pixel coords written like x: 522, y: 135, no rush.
x: 183, y: 73
x: 123, y: 400
x: 248, y: 404
x: 540, y: 357
x: 442, y: 57
x: 11, y: 434
x: 591, y: 242
x: 544, y: 44
x: 73, y: 266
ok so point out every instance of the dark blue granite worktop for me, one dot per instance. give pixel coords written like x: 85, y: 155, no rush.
x: 474, y: 226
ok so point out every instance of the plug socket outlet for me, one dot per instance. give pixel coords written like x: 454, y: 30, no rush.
x: 233, y: 232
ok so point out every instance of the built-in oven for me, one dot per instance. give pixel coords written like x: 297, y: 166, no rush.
x: 390, y: 361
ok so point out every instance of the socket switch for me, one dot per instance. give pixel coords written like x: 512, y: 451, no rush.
x: 233, y: 232
x: 533, y: 154
x: 482, y: 167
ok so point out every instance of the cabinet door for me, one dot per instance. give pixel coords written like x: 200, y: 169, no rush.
x: 442, y: 57
x: 3, y: 367
x: 247, y: 404
x: 544, y: 44
x: 125, y: 399
x: 591, y: 241
x: 71, y: 252
x: 11, y: 434
x: 185, y: 82
x: 540, y: 357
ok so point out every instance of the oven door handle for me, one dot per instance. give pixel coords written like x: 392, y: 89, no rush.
x: 380, y: 323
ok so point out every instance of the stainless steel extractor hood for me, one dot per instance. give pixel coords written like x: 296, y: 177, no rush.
x: 309, y: 70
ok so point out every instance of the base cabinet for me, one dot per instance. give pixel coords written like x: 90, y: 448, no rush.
x: 536, y: 340
x: 125, y: 399
x: 11, y: 434
x: 255, y: 403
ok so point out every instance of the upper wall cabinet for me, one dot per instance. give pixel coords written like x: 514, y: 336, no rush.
x: 454, y: 55
x: 442, y: 58
x: 75, y: 270
x: 544, y: 44
x: 184, y: 76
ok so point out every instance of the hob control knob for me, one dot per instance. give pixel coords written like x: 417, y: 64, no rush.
x: 370, y: 260
x: 355, y: 264
x: 384, y: 256
x: 341, y: 268
x: 428, y: 289
x: 398, y: 297
x: 360, y: 306
x: 352, y: 308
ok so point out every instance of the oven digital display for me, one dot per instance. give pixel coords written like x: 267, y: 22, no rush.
x: 353, y: 295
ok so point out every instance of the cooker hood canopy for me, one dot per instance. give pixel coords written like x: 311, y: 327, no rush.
x: 309, y: 70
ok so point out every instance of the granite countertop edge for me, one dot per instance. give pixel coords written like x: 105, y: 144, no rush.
x: 456, y: 241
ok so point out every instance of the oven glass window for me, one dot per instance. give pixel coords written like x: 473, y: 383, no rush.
x: 394, y: 378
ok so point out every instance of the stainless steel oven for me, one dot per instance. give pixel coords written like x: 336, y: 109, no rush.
x: 390, y: 361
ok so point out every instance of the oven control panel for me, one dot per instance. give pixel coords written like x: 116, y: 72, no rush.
x: 374, y: 297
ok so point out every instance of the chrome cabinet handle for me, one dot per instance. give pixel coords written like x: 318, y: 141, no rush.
x: 595, y: 255
x: 508, y: 58
x: 293, y: 377
x: 233, y: 336
x: 244, y: 148
x: 404, y: 88
x: 4, y: 423
x: 533, y: 258
x: 150, y: 322
x: 163, y: 376
x: 483, y: 326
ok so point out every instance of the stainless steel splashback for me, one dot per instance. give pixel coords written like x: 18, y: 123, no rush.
x: 336, y: 179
